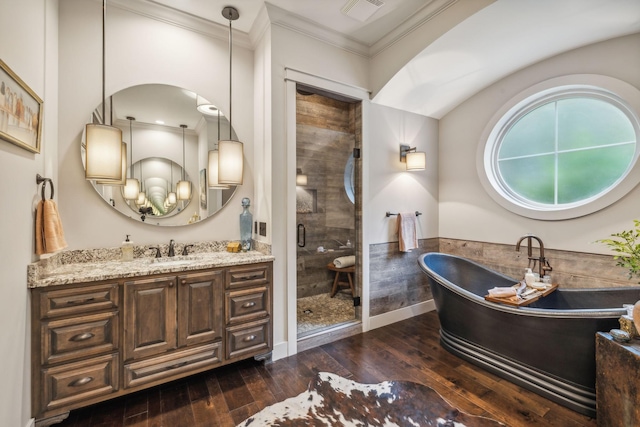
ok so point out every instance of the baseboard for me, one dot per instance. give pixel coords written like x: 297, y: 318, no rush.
x: 31, y: 423
x: 280, y: 351
x: 401, y: 314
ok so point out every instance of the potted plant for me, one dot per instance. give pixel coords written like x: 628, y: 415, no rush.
x: 627, y: 249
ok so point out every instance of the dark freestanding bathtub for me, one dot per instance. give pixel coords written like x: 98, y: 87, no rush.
x: 547, y: 347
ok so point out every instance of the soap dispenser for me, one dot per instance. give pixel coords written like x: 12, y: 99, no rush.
x: 127, y: 249
x: 529, y: 277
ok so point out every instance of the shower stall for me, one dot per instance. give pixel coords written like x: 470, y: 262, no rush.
x: 328, y: 139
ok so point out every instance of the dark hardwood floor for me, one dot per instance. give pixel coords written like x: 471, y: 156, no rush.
x: 407, y: 350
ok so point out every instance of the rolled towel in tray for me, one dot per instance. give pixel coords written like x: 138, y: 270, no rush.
x: 503, y: 292
x: 345, y: 261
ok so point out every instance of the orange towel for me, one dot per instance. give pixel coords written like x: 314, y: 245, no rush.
x: 49, y: 233
x: 407, y: 231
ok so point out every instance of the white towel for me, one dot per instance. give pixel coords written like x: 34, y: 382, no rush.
x: 345, y: 261
x: 503, y: 292
x: 407, y: 234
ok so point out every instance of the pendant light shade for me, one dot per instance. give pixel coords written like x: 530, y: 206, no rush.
x: 230, y: 162
x: 132, y: 185
x: 103, y: 154
x: 103, y: 151
x: 172, y: 198
x: 183, y: 188
x: 230, y: 152
x: 213, y: 165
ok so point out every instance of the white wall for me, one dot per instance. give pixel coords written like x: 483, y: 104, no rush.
x: 467, y: 211
x: 141, y: 50
x: 28, y: 45
x: 391, y: 187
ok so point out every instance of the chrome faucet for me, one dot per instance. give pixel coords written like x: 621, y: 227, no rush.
x: 172, y: 250
x: 541, y: 261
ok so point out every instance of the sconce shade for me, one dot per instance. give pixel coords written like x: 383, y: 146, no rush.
x: 131, y: 189
x: 230, y: 162
x: 416, y: 161
x: 301, y: 179
x: 213, y: 171
x: 172, y: 198
x: 183, y: 190
x: 104, y: 153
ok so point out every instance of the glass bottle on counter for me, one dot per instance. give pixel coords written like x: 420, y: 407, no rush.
x: 246, y: 221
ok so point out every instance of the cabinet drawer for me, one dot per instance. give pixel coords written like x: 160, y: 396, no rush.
x: 248, y: 338
x: 161, y: 368
x: 74, y: 382
x: 79, y: 337
x: 65, y: 302
x: 251, y: 275
x: 245, y: 305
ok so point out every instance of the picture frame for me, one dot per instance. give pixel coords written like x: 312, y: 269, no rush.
x: 20, y: 111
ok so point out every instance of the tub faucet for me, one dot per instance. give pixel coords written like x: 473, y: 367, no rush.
x: 172, y: 249
x: 541, y: 261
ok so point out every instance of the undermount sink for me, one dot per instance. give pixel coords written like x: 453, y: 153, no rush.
x: 173, y: 261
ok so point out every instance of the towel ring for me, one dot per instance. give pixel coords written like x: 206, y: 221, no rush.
x: 43, y: 181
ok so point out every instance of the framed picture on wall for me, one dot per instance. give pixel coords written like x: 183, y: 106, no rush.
x: 20, y: 111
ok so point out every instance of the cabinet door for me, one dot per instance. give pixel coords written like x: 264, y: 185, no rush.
x: 149, y: 317
x: 200, y: 307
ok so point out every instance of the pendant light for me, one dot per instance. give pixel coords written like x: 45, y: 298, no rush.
x: 142, y: 196
x: 213, y: 165
x: 183, y: 188
x: 104, y: 146
x: 132, y: 185
x: 230, y: 152
x: 171, y: 197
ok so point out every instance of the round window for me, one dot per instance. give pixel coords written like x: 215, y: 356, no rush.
x: 558, y: 152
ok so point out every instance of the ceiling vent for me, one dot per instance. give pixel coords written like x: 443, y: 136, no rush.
x: 361, y: 9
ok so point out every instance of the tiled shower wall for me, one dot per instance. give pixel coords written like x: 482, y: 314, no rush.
x: 396, y: 280
x: 326, y: 136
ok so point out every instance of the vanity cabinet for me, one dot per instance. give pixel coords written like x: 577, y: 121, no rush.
x: 99, y: 340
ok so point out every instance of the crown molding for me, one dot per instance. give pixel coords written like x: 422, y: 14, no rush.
x: 167, y: 15
x: 419, y: 19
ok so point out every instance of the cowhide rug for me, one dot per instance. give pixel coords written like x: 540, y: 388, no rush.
x: 335, y: 401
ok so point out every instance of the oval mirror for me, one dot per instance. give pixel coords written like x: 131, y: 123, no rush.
x: 161, y: 152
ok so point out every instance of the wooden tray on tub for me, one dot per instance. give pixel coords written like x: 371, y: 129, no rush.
x: 521, y: 302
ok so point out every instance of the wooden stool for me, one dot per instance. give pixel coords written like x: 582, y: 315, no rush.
x: 336, y: 281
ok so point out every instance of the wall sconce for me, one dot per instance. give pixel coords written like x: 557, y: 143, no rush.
x: 301, y: 179
x: 415, y: 160
x: 104, y: 156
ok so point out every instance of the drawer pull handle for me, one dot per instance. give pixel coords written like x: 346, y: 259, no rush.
x: 80, y: 301
x: 249, y: 338
x: 177, y: 365
x: 80, y: 382
x: 184, y: 282
x: 248, y: 304
x: 82, y: 337
x: 250, y: 277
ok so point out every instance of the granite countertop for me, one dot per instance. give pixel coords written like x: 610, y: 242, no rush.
x: 51, y: 274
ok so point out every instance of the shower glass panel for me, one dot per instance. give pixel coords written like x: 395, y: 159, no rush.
x: 325, y: 211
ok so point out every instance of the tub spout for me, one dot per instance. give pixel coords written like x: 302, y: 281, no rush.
x: 541, y: 261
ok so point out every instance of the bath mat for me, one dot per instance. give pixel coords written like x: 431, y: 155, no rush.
x: 335, y: 401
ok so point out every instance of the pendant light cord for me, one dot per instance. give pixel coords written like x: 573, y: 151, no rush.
x: 104, y: 20
x: 230, y: 74
x: 184, y: 165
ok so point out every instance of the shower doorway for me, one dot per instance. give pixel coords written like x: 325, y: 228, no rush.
x: 328, y: 139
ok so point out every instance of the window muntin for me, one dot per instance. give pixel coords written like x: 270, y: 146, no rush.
x: 564, y: 149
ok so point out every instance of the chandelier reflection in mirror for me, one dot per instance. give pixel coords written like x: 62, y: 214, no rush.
x: 163, y: 155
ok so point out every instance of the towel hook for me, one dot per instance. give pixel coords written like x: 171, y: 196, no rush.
x: 43, y: 181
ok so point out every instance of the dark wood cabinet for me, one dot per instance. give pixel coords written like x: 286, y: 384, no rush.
x: 149, y: 317
x: 99, y: 340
